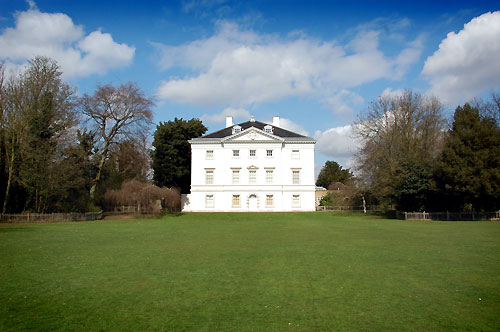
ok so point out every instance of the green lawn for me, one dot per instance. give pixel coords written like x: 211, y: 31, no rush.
x: 251, y: 272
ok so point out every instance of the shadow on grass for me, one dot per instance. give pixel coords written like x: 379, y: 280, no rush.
x: 8, y: 228
x: 370, y: 214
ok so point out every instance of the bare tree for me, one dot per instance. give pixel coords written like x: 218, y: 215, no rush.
x: 394, y: 131
x: 117, y: 114
x: 489, y: 108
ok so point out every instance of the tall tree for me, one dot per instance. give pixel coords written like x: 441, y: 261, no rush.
x: 38, y: 109
x: 172, y: 152
x: 116, y: 114
x: 468, y: 171
x: 332, y: 172
x: 394, y: 132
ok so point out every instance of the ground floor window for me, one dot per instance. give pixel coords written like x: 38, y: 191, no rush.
x: 295, y: 201
x: 269, y: 200
x: 236, y: 201
x: 209, y: 201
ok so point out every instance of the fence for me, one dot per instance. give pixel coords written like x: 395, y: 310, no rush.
x: 46, y: 217
x: 454, y: 216
x: 372, y: 208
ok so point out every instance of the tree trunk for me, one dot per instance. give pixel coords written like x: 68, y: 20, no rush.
x: 9, y: 179
x: 364, y: 203
x: 99, y: 171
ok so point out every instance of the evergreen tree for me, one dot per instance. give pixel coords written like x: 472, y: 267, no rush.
x: 172, y: 152
x: 468, y: 172
x: 332, y: 172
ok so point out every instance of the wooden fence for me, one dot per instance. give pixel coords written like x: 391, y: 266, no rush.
x: 452, y: 216
x: 48, y: 217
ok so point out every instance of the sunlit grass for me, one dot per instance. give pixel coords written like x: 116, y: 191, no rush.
x: 251, y: 272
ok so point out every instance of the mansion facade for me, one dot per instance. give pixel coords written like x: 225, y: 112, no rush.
x: 251, y: 166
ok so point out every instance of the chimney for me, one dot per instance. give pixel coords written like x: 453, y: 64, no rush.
x: 229, y: 121
x: 276, y: 121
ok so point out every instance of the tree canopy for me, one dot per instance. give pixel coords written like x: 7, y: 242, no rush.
x: 37, y: 113
x: 468, y: 171
x: 116, y: 114
x: 398, y: 134
x: 332, y: 172
x: 172, y: 153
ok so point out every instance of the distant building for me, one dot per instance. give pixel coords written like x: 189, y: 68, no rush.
x: 319, y: 193
x: 252, y: 166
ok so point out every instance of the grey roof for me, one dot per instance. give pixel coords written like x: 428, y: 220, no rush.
x: 277, y: 131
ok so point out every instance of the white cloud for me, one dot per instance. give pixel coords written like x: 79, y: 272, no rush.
x: 466, y: 62
x: 236, y: 113
x: 344, y: 102
x: 388, y: 92
x: 338, y: 144
x: 292, y: 126
x: 55, y: 35
x: 240, y: 68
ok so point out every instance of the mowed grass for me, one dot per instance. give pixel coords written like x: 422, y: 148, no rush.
x: 251, y: 272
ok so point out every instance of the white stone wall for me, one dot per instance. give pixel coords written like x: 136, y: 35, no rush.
x: 223, y: 188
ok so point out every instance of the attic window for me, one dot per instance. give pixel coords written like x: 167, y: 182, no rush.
x: 268, y: 129
x: 236, y: 129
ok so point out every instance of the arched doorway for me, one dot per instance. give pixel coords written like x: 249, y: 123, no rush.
x: 253, y: 202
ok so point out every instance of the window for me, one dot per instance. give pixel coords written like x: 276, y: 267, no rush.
x: 253, y: 153
x: 269, y: 153
x: 236, y: 129
x: 268, y: 129
x: 295, y: 176
x: 209, y: 201
x: 295, y: 154
x: 252, y: 176
x: 269, y: 176
x: 209, y: 154
x: 236, y: 153
x: 295, y: 201
x: 269, y: 201
x: 209, y: 176
x: 236, y: 201
x: 236, y: 176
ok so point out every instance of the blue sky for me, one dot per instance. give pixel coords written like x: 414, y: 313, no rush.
x: 316, y: 64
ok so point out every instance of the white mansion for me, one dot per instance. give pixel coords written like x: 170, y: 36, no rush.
x: 251, y: 166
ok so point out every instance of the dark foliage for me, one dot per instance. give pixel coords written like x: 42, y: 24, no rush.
x: 172, y: 153
x: 332, y: 172
x: 468, y: 171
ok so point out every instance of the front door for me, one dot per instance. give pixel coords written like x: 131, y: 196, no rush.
x: 252, y: 203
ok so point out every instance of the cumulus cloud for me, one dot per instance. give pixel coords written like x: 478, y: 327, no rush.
x: 236, y: 113
x: 239, y: 68
x: 55, y: 35
x: 389, y: 92
x: 344, y: 101
x: 338, y: 144
x: 466, y: 62
x: 292, y: 126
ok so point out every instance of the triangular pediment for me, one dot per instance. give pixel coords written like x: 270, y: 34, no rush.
x: 252, y: 134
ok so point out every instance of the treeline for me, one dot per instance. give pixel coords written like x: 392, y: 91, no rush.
x: 60, y: 152
x: 413, y: 159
